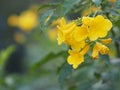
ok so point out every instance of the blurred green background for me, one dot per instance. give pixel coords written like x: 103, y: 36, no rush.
x: 30, y: 58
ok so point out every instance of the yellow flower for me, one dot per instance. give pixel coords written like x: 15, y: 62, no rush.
x: 77, y: 45
x: 56, y: 22
x: 27, y: 20
x: 13, y: 20
x: 52, y: 34
x: 19, y: 37
x: 64, y: 30
x: 99, y: 48
x: 85, y: 49
x: 112, y: 1
x: 80, y: 33
x: 75, y: 58
x: 98, y: 27
x: 106, y: 41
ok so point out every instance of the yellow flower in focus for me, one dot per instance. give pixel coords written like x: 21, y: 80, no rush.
x: 13, y: 20
x: 75, y: 45
x: 99, y: 48
x: 27, y: 20
x: 80, y: 33
x: 106, y: 41
x: 64, y: 30
x: 85, y: 49
x: 98, y: 27
x: 75, y: 58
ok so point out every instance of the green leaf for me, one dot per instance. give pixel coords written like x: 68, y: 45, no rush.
x: 43, y: 18
x: 46, y: 59
x: 118, y: 23
x: 68, y: 5
x: 64, y: 73
x: 45, y: 15
x: 4, y: 55
x: 48, y: 5
x: 97, y: 2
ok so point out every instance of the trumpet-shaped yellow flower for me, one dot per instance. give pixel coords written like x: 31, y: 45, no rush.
x: 64, y: 30
x: 93, y: 28
x: 80, y: 33
x: 79, y: 37
x: 98, y: 27
x: 99, y: 48
x: 75, y: 58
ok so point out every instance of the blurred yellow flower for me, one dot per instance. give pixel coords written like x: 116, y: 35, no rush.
x: 13, y: 20
x: 19, y: 37
x: 52, y: 34
x: 56, y: 22
x: 27, y: 20
x: 99, y: 48
x: 112, y: 1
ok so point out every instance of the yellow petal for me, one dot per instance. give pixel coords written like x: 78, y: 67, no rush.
x: 60, y: 38
x: 77, y: 45
x: 75, y: 58
x: 99, y: 27
x: 85, y: 50
x: 62, y: 21
x: 96, y: 50
x: 104, y: 49
x: 106, y: 41
x: 80, y: 33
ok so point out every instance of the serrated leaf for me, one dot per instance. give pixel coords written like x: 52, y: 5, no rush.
x: 64, y: 74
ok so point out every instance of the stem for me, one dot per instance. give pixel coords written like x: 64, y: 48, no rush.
x: 116, y: 44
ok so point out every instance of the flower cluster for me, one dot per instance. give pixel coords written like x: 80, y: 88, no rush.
x: 26, y: 21
x: 79, y: 37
